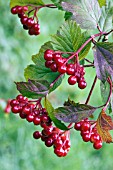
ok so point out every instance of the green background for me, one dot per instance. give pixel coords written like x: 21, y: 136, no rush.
x: 18, y: 149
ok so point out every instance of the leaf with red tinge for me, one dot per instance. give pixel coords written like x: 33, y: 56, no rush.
x: 104, y: 124
x: 73, y: 112
x: 103, y: 60
x: 33, y: 88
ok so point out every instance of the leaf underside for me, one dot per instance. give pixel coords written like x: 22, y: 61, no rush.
x: 73, y: 112
x: 85, y: 12
x: 103, y: 60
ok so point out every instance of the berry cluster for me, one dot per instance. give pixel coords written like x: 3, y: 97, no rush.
x: 51, y: 135
x: 27, y: 22
x: 56, y: 62
x: 29, y: 111
x: 88, y: 133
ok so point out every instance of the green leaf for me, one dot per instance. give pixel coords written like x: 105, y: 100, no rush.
x: 38, y: 71
x: 102, y: 2
x: 105, y: 21
x: 103, y: 60
x: 50, y: 111
x: 33, y: 89
x: 70, y: 38
x: 85, y: 12
x: 73, y: 112
x: 105, y: 88
x: 25, y: 2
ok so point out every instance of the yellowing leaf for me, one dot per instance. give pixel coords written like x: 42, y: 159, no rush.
x: 104, y: 124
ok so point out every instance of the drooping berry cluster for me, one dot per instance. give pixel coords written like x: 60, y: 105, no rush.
x: 88, y: 133
x: 51, y: 135
x: 56, y: 62
x: 27, y: 22
x: 29, y: 111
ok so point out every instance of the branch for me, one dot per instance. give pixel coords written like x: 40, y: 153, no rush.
x: 92, y: 88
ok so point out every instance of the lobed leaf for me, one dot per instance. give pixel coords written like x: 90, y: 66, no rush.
x: 104, y: 124
x: 73, y: 112
x: 70, y: 38
x: 103, y: 60
x: 85, y: 12
x: 25, y: 2
x: 33, y: 89
x: 50, y: 111
x: 105, y: 21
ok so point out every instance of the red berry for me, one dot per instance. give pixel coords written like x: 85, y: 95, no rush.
x: 72, y: 80
x: 53, y: 67
x: 78, y: 125
x: 21, y: 98
x: 48, y: 55
x: 97, y: 145
x: 59, y: 151
x: 82, y: 84
x: 26, y: 110
x: 36, y: 120
x: 31, y: 31
x: 49, y: 142
x: 37, y: 135
x: 14, y: 102
x: 24, y: 8
x: 62, y: 69
x: 30, y: 22
x: 22, y: 115
x: 30, y: 117
x: 14, y: 10
x: 56, y: 56
x: 48, y: 63
x: 19, y: 9
x: 44, y: 118
x: 85, y: 126
x: 70, y: 70
x: 15, y: 109
x: 59, y: 61
x: 94, y: 138
x: 86, y: 137
x: 24, y: 20
x: 58, y: 142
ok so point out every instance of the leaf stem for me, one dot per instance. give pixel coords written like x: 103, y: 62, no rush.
x: 89, y: 65
x: 92, y: 88
x: 110, y: 92
x: 42, y: 6
x: 52, y: 84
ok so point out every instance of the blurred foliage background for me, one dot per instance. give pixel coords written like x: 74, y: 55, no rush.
x: 18, y: 149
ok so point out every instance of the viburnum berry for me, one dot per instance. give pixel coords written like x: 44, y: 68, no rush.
x: 62, y: 69
x: 82, y: 84
x: 37, y: 135
x: 54, y: 67
x: 97, y: 145
x: 48, y: 55
x: 28, y: 23
x: 72, y: 80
